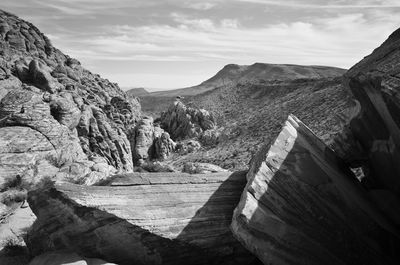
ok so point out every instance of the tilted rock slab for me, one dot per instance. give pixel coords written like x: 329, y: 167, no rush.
x: 303, y: 206
x: 158, y: 218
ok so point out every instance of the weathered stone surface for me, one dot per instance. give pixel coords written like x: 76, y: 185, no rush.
x: 30, y: 134
x: 41, y: 78
x: 149, y: 141
x: 303, y: 206
x: 64, y: 110
x: 183, y: 122
x: 158, y: 166
x: 153, y: 218
x: 28, y: 61
x: 371, y: 141
x: 378, y: 133
x: 20, y: 149
x: 201, y: 168
x: 163, y: 146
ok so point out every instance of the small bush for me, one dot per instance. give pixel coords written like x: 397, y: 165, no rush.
x: 12, y: 247
x: 13, y: 195
x: 45, y: 182
x: 13, y: 182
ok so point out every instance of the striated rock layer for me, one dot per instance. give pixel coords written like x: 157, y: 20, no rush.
x: 371, y: 141
x: 158, y: 218
x: 302, y: 205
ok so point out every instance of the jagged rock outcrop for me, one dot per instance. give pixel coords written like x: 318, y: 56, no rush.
x: 70, y: 114
x: 150, y: 142
x: 153, y: 218
x: 185, y: 122
x: 302, y: 205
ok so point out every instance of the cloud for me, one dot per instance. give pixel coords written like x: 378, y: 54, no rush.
x: 346, y: 4
x: 338, y: 40
x: 200, y: 5
x: 230, y: 23
x: 107, y: 34
x: 200, y: 23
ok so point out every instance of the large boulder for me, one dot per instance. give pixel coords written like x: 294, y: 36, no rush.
x: 153, y: 218
x: 302, y: 205
x: 149, y: 141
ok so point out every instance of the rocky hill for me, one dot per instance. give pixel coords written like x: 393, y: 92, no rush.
x: 137, y: 92
x: 57, y: 119
x: 249, y: 114
x: 232, y: 74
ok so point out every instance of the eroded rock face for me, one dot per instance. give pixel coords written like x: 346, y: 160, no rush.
x: 153, y: 218
x: 150, y: 142
x: 185, y: 122
x: 76, y: 111
x: 371, y: 140
x: 29, y: 134
x: 302, y: 205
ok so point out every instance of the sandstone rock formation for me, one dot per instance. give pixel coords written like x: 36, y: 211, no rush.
x: 185, y: 122
x: 55, y: 114
x: 153, y: 218
x: 149, y: 141
x: 302, y: 205
x: 371, y: 140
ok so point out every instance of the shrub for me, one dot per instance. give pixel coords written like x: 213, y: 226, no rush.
x: 13, y: 195
x: 12, y: 247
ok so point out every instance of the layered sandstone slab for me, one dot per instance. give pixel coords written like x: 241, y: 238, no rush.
x: 302, y: 205
x: 164, y: 218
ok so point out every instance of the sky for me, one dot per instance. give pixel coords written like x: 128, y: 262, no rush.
x: 166, y: 44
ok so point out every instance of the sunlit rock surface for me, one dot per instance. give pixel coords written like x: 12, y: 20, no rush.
x: 157, y: 218
x: 302, y: 205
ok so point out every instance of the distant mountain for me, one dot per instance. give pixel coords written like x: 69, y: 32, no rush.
x: 137, y: 92
x: 232, y: 74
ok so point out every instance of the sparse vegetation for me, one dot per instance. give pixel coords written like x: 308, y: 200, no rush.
x: 15, y: 189
x: 13, y: 196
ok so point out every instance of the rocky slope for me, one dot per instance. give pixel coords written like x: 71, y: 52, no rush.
x: 231, y: 75
x: 55, y: 116
x: 301, y: 190
x: 250, y: 114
